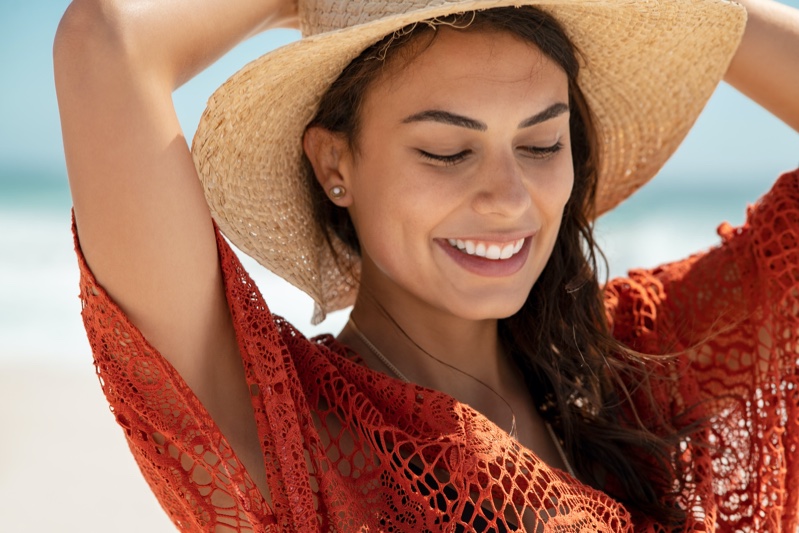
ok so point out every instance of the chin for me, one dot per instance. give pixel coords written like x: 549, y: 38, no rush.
x: 485, y: 310
x: 494, y: 303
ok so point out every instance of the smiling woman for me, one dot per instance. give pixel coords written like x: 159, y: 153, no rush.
x: 437, y: 165
x: 483, y: 197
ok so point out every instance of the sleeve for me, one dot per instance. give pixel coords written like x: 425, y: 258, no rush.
x: 184, y: 457
x: 730, y: 317
x: 731, y: 310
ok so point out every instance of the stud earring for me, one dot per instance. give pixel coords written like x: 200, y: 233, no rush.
x: 337, y: 192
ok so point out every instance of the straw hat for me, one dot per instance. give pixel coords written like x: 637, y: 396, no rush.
x: 649, y: 67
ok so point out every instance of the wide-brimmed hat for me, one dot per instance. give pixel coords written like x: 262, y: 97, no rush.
x: 647, y: 69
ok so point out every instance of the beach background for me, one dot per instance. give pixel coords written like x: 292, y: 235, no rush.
x: 64, y: 464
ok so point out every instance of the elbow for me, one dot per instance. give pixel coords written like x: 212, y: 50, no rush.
x: 84, y: 22
x: 92, y: 31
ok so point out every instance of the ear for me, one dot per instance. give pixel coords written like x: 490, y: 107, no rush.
x: 330, y: 157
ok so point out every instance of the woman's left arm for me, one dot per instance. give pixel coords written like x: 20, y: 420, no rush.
x: 766, y: 65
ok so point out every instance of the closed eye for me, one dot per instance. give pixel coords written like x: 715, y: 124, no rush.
x: 447, y: 160
x: 543, y: 152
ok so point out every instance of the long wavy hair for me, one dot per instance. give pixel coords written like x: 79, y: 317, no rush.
x: 578, y: 375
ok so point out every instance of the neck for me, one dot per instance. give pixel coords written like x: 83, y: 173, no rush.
x: 427, y: 345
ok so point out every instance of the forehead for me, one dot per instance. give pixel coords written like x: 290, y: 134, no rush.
x: 452, y: 64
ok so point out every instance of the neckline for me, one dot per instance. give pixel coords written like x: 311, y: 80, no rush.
x: 343, y: 352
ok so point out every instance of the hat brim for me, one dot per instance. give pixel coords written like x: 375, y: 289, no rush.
x: 647, y: 70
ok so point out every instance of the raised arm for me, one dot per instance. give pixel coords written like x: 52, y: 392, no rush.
x: 766, y: 65
x: 143, y: 223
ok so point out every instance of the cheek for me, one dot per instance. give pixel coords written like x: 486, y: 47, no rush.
x: 566, y: 176
x: 389, y: 188
x: 554, y: 192
x: 391, y: 215
x: 394, y: 234
x: 565, y: 189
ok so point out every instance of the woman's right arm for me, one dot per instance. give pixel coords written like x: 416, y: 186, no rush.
x: 145, y: 229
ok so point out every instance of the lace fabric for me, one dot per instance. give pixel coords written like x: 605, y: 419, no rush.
x: 349, y: 449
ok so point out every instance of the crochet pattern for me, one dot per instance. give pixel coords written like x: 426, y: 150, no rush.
x: 348, y: 449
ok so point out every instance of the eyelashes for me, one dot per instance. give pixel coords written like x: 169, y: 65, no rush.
x: 445, y: 159
x: 535, y: 152
x: 543, y: 152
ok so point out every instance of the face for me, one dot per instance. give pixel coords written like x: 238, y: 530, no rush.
x: 460, y: 175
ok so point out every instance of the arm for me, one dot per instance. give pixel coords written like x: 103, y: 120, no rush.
x: 766, y: 65
x: 144, y: 226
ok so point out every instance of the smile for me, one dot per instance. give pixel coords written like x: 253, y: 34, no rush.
x: 488, y: 250
x: 488, y: 258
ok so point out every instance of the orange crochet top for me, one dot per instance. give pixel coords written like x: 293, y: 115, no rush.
x: 349, y: 449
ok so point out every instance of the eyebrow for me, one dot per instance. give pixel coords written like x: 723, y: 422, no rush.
x: 453, y: 119
x: 551, y: 112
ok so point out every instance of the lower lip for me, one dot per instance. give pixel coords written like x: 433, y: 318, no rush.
x: 488, y: 267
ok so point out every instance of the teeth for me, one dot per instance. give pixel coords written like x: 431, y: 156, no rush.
x: 489, y: 251
x: 506, y: 252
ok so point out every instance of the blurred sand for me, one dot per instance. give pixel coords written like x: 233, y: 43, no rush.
x: 64, y: 463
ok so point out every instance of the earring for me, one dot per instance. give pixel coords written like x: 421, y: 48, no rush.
x: 337, y: 192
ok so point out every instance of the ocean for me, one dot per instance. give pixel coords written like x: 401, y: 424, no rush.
x: 40, y: 312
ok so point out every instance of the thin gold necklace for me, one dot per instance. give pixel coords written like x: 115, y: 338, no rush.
x: 513, y: 430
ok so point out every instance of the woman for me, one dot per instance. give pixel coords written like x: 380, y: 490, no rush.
x: 439, y: 167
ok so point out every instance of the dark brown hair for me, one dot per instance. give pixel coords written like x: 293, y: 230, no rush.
x: 578, y: 375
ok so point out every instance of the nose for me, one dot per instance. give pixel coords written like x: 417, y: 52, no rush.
x: 502, y: 190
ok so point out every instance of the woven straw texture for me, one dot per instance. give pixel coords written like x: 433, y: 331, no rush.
x: 348, y: 449
x: 649, y: 67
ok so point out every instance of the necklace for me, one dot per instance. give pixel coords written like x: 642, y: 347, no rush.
x: 513, y: 430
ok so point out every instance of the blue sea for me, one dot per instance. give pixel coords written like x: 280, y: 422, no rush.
x: 40, y: 311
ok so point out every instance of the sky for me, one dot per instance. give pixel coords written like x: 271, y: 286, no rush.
x: 733, y: 141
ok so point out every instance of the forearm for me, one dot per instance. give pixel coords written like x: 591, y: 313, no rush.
x: 766, y: 65
x: 172, y: 40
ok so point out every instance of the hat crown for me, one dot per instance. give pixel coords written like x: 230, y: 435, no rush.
x: 321, y: 16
